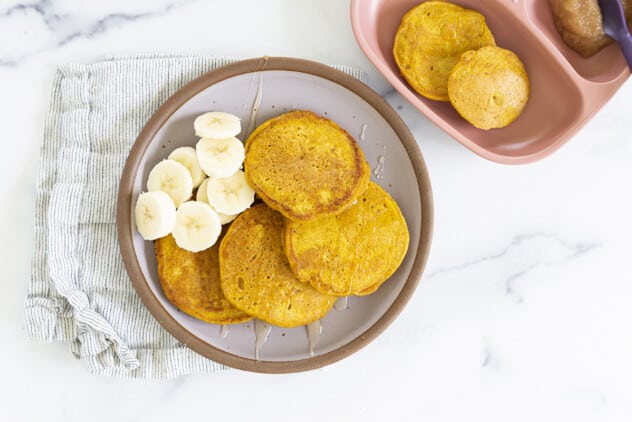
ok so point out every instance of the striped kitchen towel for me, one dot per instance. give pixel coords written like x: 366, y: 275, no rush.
x: 79, y: 292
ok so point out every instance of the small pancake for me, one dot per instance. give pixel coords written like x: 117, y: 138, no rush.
x: 256, y: 276
x: 351, y: 253
x: 305, y: 166
x: 580, y: 24
x: 191, y: 282
x: 429, y: 41
x: 489, y: 87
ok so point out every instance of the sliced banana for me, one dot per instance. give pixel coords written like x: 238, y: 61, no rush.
x: 155, y: 214
x: 172, y: 178
x: 230, y: 195
x: 220, y: 157
x: 217, y: 125
x: 187, y: 156
x: 202, y: 196
x: 197, y: 226
x: 225, y: 218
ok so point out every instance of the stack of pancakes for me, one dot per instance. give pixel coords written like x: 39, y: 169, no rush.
x: 322, y: 230
x: 448, y: 53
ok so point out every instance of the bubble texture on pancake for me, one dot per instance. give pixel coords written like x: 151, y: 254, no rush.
x: 256, y: 277
x: 305, y: 166
x: 489, y: 87
x: 351, y: 253
x: 191, y: 282
x: 430, y: 40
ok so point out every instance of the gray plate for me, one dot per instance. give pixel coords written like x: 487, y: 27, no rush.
x: 256, y: 90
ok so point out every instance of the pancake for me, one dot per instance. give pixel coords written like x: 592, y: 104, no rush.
x: 354, y: 252
x: 430, y: 40
x: 305, y: 166
x: 580, y: 24
x: 191, y: 282
x: 489, y: 87
x: 256, y: 277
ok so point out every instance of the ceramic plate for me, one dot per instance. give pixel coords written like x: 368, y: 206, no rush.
x: 257, y: 90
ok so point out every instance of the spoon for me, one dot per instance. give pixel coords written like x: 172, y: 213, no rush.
x: 615, y: 26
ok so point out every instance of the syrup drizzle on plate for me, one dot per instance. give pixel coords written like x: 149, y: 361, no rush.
x: 262, y: 330
x: 378, y: 171
x: 314, y: 330
x: 256, y: 105
x: 223, y: 331
x: 341, y: 303
x: 363, y: 132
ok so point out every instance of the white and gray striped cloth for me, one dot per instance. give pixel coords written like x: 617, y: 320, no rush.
x: 79, y: 292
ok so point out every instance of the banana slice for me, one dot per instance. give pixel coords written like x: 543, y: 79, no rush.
x: 187, y: 156
x: 217, y: 125
x: 230, y: 195
x: 173, y: 178
x: 220, y: 157
x: 197, y: 226
x: 155, y: 214
x: 203, y: 197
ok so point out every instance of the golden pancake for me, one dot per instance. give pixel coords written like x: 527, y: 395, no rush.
x: 305, y: 166
x: 191, y: 282
x: 429, y: 41
x: 489, y: 87
x: 256, y: 277
x: 351, y: 253
x: 580, y: 24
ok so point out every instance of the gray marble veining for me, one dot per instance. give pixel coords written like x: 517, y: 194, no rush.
x: 47, y: 24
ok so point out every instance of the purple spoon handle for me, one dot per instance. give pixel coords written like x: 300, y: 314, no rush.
x: 615, y: 26
x: 625, y: 42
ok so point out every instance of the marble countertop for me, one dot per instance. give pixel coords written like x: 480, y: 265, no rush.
x: 522, y: 313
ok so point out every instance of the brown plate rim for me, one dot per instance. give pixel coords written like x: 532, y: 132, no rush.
x: 146, y: 136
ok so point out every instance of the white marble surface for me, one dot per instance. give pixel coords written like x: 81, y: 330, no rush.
x: 524, y: 311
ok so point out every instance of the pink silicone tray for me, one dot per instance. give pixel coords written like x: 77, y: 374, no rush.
x: 566, y: 89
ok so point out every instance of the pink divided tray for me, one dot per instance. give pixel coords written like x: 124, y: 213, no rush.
x: 566, y: 89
